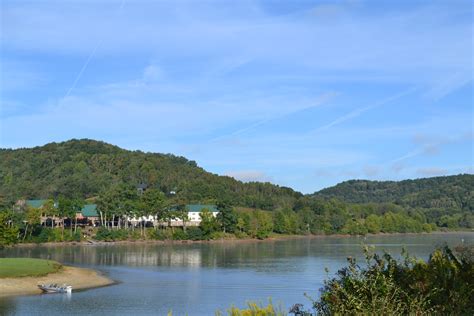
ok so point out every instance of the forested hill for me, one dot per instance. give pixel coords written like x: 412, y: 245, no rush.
x: 84, y: 168
x: 449, y: 192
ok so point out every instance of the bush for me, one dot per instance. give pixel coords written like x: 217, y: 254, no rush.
x: 443, y: 285
x: 104, y: 234
x: 73, y: 236
x: 179, y: 234
x: 155, y: 234
x: 48, y: 234
x: 194, y: 233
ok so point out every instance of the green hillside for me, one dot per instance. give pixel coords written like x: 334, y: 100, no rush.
x: 88, y: 169
x: 84, y: 168
x: 449, y: 193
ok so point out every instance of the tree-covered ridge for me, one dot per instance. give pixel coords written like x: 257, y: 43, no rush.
x: 449, y: 192
x: 85, y: 168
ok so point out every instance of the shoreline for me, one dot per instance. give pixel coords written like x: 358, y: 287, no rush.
x: 78, y: 278
x: 223, y: 240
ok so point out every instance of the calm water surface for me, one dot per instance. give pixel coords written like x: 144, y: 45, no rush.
x: 198, y: 279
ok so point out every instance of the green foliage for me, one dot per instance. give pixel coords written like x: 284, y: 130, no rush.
x: 260, y: 224
x: 448, y: 192
x: 156, y: 234
x: 227, y: 217
x: 8, y: 231
x: 179, y: 234
x: 286, y: 222
x: 104, y: 234
x: 443, y: 285
x: 209, y: 224
x: 194, y: 233
x: 48, y: 234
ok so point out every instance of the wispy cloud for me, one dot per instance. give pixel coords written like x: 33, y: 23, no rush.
x: 324, y: 98
x: 432, y: 145
x: 359, y: 111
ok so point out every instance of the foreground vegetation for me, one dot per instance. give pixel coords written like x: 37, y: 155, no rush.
x: 25, y: 267
x: 444, y: 285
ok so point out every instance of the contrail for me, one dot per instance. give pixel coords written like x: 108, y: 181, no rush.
x: 359, y: 111
x: 79, y: 75
x: 324, y: 98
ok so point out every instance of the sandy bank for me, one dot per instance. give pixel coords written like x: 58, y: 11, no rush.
x: 79, y: 278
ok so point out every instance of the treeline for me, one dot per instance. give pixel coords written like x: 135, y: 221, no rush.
x: 444, y: 201
x: 119, y: 205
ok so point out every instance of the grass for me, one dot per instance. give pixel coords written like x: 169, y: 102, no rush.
x: 23, y: 267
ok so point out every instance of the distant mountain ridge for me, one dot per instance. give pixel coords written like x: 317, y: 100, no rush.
x: 450, y: 192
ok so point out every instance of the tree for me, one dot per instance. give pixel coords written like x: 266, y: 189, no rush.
x: 261, y: 224
x: 182, y: 213
x: 32, y: 218
x: 227, y: 217
x: 8, y: 231
x: 154, y: 203
x: 373, y: 224
x: 208, y: 223
x: 66, y: 209
x: 49, y: 208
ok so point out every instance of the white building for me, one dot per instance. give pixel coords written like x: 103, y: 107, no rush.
x: 194, y: 216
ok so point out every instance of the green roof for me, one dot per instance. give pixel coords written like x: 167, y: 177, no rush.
x: 35, y: 203
x: 89, y: 210
x: 201, y: 207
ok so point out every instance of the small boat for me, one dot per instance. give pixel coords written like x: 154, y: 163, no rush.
x: 54, y: 288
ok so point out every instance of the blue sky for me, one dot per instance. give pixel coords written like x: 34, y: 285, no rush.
x: 299, y: 93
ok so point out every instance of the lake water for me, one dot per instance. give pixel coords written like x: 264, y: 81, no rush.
x: 198, y: 279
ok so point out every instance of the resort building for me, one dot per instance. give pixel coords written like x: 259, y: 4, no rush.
x: 193, y: 219
x: 87, y: 216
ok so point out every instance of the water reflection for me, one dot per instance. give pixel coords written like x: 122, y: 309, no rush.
x: 199, y: 278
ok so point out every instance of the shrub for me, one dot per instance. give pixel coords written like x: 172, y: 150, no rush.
x: 194, y: 233
x: 47, y: 234
x: 155, y: 234
x: 443, y: 285
x: 179, y: 234
x: 104, y: 234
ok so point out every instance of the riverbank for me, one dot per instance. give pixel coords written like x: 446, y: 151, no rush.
x: 78, y: 278
x: 272, y: 238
